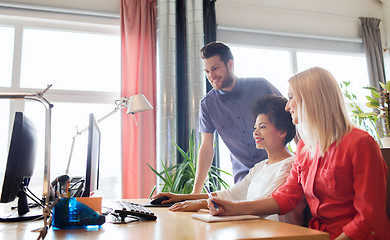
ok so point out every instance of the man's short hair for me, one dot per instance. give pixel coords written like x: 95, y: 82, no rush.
x: 216, y: 48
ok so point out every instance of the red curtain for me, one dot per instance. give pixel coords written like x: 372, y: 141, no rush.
x: 138, y: 32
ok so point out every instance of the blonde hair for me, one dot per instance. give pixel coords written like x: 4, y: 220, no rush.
x: 322, y: 114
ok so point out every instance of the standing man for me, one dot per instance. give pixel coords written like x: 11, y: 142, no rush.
x: 227, y: 109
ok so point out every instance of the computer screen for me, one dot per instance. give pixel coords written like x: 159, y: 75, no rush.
x: 93, y: 157
x: 20, y: 166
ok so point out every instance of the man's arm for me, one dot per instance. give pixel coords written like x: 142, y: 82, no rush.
x: 205, y: 157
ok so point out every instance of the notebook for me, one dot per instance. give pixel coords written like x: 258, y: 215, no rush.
x: 209, y: 218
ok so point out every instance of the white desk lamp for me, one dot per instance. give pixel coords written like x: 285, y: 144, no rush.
x: 39, y: 96
x: 134, y: 104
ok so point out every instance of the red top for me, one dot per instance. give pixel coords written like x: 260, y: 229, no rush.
x: 345, y: 189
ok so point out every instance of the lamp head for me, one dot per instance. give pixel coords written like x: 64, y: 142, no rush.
x: 138, y: 103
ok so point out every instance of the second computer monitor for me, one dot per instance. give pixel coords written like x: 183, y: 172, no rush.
x: 93, y: 157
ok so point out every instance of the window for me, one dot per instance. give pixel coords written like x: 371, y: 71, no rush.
x: 6, y: 56
x: 4, y: 125
x: 277, y: 66
x: 273, y: 65
x: 344, y: 67
x: 82, y: 62
x: 70, y: 60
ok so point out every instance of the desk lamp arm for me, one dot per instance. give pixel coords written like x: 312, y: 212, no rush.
x: 120, y: 104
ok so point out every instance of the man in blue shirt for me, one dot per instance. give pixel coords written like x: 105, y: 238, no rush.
x: 227, y: 109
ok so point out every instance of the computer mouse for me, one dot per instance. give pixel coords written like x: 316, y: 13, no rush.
x: 158, y: 200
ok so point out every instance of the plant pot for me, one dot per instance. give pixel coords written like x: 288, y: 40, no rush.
x: 385, y: 142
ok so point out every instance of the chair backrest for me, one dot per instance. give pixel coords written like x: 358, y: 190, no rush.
x: 386, y: 156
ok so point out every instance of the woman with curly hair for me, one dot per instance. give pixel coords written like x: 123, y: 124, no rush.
x: 273, y: 129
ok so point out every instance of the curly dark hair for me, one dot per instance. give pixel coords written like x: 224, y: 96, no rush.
x: 216, y: 48
x: 274, y: 107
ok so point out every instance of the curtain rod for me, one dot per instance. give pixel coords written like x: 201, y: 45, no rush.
x: 58, y: 10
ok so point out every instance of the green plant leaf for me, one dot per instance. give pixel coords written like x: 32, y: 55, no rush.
x: 371, y: 88
x: 376, y: 95
x: 218, y: 169
x: 382, y: 85
x: 168, y: 177
x: 158, y: 174
x: 373, y: 104
x: 365, y: 115
x: 180, y: 178
x: 370, y: 99
x: 184, y: 154
x: 217, y: 176
x: 152, y: 192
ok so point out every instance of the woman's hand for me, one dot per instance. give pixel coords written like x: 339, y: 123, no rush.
x: 189, y: 206
x: 224, y: 207
x: 172, y: 198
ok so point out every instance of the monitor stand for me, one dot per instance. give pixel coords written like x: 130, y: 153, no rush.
x: 33, y: 215
x: 23, y: 213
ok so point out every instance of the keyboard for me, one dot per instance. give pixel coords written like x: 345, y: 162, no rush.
x: 125, y: 209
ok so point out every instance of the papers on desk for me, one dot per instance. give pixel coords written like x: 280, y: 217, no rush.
x: 209, y: 218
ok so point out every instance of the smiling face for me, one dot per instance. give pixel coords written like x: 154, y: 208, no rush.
x: 291, y: 106
x: 266, y: 135
x: 220, y: 76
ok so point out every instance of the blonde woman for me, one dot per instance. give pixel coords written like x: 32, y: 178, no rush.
x: 338, y: 167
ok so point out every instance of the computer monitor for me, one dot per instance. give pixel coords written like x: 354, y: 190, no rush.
x: 20, y: 167
x: 93, y: 158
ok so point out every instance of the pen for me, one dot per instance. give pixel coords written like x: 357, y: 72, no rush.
x: 210, y: 196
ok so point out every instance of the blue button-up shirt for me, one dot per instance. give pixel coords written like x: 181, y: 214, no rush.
x: 230, y: 114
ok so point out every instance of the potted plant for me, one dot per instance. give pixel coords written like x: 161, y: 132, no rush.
x: 377, y: 122
x: 180, y: 178
x: 363, y: 120
x: 380, y: 102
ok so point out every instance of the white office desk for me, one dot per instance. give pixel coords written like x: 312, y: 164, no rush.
x: 169, y: 225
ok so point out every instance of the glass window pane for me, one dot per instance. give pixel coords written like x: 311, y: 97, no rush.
x: 4, y: 134
x: 6, y: 55
x: 70, y: 60
x: 65, y: 118
x: 351, y: 68
x: 224, y: 161
x: 273, y: 65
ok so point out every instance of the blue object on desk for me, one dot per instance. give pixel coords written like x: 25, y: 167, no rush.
x: 69, y: 213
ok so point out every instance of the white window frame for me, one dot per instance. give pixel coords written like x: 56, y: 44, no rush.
x: 55, y: 20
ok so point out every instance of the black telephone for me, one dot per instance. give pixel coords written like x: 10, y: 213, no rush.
x: 59, y: 184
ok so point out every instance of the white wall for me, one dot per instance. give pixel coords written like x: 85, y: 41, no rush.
x: 332, y: 18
